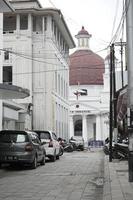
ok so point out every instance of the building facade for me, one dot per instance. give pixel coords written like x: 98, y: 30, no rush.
x: 9, y: 110
x: 37, y: 43
x: 89, y: 92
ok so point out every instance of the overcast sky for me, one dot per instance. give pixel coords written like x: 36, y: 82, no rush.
x: 99, y: 17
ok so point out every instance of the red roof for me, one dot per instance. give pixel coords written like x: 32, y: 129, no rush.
x: 86, y: 68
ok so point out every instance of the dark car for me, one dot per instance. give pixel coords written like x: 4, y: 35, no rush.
x: 21, y: 147
x: 77, y: 142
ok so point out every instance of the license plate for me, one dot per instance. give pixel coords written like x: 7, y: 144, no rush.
x: 9, y: 157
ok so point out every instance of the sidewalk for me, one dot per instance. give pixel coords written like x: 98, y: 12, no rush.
x: 116, y: 184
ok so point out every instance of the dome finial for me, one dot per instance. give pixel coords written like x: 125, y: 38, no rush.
x: 83, y: 39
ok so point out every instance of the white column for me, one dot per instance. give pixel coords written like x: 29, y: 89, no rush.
x: 98, y: 127
x: 49, y: 30
x: 30, y: 24
x: 18, y: 22
x: 84, y: 123
x: 71, y: 127
x: 18, y: 25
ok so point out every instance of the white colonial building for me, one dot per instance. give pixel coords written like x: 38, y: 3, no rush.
x: 37, y: 43
x: 89, y: 92
x: 9, y: 110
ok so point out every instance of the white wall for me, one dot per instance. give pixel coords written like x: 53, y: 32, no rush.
x: 1, y: 65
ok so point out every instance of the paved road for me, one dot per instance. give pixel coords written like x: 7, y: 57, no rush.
x: 76, y: 176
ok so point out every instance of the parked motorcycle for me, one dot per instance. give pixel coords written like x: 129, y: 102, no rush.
x: 61, y: 142
x: 64, y: 146
x: 68, y: 147
x: 119, y: 150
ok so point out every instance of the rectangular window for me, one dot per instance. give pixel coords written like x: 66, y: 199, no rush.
x: 37, y: 23
x: 55, y: 29
x: 9, y: 23
x: 56, y: 81
x: 23, y: 22
x: 45, y: 23
x: 58, y: 84
x: 6, y: 55
x: 7, y: 75
x: 52, y: 25
x: 94, y: 131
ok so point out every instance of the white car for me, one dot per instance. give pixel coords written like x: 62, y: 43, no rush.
x: 52, y: 146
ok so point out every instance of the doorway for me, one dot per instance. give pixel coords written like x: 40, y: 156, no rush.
x: 78, y: 128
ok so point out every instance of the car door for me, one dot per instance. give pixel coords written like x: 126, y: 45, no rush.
x: 56, y: 143
x: 38, y: 147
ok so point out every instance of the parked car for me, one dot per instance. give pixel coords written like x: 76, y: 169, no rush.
x: 51, y: 145
x: 21, y: 147
x: 77, y: 142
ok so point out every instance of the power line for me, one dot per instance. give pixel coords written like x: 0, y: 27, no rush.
x: 116, y: 11
x: 45, y: 62
x: 95, y: 67
x: 120, y: 25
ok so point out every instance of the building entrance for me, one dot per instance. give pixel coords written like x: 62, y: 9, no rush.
x: 78, y: 128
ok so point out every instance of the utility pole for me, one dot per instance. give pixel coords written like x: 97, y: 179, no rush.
x: 111, y: 107
x: 114, y: 96
x: 129, y: 28
x: 121, y: 51
x: 122, y: 44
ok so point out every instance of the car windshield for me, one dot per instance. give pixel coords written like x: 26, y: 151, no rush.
x: 13, y: 137
x: 45, y: 135
x: 78, y: 139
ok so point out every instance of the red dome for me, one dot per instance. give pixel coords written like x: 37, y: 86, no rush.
x: 86, y: 68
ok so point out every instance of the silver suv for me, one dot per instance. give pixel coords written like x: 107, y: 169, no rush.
x: 21, y: 147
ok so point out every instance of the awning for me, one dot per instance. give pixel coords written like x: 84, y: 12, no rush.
x: 122, y: 104
x: 13, y: 92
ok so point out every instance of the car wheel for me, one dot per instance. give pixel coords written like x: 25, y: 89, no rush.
x: 61, y: 152
x: 53, y: 158
x: 57, y: 157
x: 43, y: 160
x: 34, y: 164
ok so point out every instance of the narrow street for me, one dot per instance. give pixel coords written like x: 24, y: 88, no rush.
x: 76, y: 176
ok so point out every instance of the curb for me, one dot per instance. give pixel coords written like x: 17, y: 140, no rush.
x: 107, y: 186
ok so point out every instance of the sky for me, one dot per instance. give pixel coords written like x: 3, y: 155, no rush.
x: 99, y: 17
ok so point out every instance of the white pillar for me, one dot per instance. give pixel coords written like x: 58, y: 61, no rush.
x: 98, y: 127
x: 49, y: 29
x: 30, y: 27
x: 84, y: 122
x: 71, y: 127
x: 18, y: 22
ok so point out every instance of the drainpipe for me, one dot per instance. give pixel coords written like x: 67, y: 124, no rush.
x: 129, y: 29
